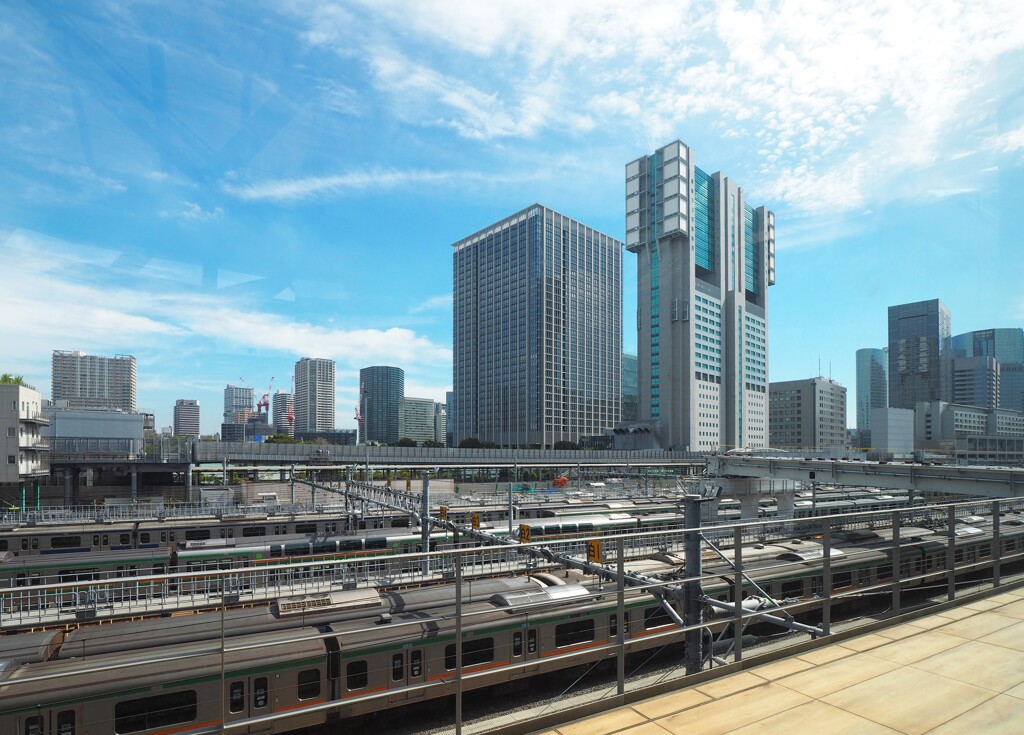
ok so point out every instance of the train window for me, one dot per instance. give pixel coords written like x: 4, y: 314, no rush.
x: 35, y: 543
x: 531, y: 641
x: 569, y: 528
x: 222, y: 533
x: 197, y: 534
x: 125, y: 539
x: 106, y: 540
x: 517, y: 644
x: 254, y: 531
x: 66, y: 722
x: 163, y: 710
x: 236, y: 696
x: 865, y: 577
x: 397, y: 667
x: 24, y: 544
x: 574, y: 632
x: 353, y: 544
x: 163, y: 537
x: 171, y: 536
x: 792, y: 588
x: 613, y: 625
x: 96, y: 540
x: 356, y: 675
x: 305, y: 528
x: 378, y: 542
x: 296, y: 549
x: 34, y: 725
x: 259, y: 692
x: 885, y: 571
x: 231, y: 533
x: 958, y: 556
x: 324, y: 547
x: 309, y: 684
x: 415, y: 663
x: 842, y: 579
x: 3, y: 544
x: 65, y: 542
x: 985, y: 550
x: 817, y: 584
x: 655, y: 617
x: 331, y: 527
x: 473, y: 653
x: 144, y: 537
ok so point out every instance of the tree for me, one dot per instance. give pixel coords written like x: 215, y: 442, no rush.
x: 433, y: 444
x: 405, y: 442
x: 565, y: 445
x: 279, y: 439
x: 470, y: 442
x: 8, y: 379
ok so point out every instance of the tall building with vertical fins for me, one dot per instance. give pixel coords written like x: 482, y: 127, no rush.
x: 314, y: 395
x: 920, y: 354
x: 705, y: 260
x: 381, y: 392
x: 538, y: 331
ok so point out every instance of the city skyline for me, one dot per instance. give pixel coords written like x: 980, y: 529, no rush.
x: 220, y: 193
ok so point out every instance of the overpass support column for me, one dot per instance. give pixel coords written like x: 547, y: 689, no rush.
x: 784, y: 501
x: 748, y: 507
x: 135, y: 483
x: 188, y: 483
x: 67, y: 487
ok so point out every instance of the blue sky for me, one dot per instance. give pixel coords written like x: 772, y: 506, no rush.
x: 221, y: 188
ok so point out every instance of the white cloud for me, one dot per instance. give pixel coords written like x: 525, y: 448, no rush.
x: 192, y: 212
x: 1009, y: 142
x: 78, y: 315
x: 847, y: 98
x: 434, y: 303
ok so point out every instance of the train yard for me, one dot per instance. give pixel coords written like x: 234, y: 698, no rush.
x: 302, y: 620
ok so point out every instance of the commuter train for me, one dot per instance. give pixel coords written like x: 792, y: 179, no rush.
x: 228, y: 553
x: 374, y: 652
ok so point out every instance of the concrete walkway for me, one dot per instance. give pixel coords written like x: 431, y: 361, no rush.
x: 956, y: 671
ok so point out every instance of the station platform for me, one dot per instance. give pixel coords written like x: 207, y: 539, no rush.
x: 956, y: 671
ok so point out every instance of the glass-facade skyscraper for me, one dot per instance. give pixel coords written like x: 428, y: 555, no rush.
x: 872, y: 390
x: 381, y: 392
x: 1007, y: 347
x: 705, y: 260
x: 538, y: 331
x: 920, y: 354
x: 630, y: 388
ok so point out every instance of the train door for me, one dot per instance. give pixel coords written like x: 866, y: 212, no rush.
x: 525, y: 648
x: 406, y: 669
x: 245, y: 697
x: 67, y: 721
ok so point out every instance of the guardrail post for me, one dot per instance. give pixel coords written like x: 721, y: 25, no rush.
x: 897, y: 563
x: 951, y: 554
x: 692, y: 593
x: 997, y: 545
x: 826, y: 574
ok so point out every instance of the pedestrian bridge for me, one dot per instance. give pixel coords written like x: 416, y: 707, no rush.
x: 988, y: 482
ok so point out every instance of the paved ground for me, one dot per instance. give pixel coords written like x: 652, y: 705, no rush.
x: 957, y: 671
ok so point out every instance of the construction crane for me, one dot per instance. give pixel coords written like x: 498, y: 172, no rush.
x: 263, y: 405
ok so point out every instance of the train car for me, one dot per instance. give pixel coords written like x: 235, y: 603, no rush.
x: 178, y: 691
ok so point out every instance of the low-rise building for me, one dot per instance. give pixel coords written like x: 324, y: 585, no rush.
x: 807, y: 414
x: 24, y: 453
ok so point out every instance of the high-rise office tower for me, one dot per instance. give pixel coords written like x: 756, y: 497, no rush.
x: 807, y: 414
x: 920, y: 354
x: 630, y: 388
x: 449, y: 409
x: 93, y: 381
x: 314, y: 395
x: 237, y: 400
x: 872, y: 390
x: 416, y: 419
x: 1007, y: 347
x: 186, y: 417
x: 538, y: 331
x: 976, y: 381
x: 283, y: 408
x: 441, y: 424
x: 705, y: 260
x: 381, y: 392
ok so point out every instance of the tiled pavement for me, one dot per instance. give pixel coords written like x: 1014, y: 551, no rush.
x: 956, y: 671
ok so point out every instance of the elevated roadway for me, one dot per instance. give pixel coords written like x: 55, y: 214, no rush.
x: 987, y: 482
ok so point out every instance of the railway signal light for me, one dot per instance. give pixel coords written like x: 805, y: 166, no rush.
x: 444, y: 512
x: 594, y: 555
x: 476, y: 521
x: 524, y: 533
